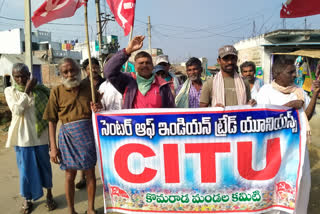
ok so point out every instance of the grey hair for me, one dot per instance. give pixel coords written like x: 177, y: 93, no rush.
x: 20, y: 67
x: 68, y: 59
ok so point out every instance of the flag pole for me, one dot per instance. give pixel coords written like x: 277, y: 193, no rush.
x: 130, y: 38
x: 89, y: 51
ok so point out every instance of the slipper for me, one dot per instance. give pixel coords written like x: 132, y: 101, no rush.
x: 51, y: 204
x: 81, y: 184
x: 96, y: 212
x: 26, y: 208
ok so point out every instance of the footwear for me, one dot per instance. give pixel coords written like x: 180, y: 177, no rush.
x: 81, y: 184
x: 96, y: 212
x: 51, y: 204
x: 26, y: 207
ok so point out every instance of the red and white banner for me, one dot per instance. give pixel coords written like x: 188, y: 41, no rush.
x: 55, y: 9
x: 300, y: 8
x: 123, y: 11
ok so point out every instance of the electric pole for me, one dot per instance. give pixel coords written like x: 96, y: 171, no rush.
x: 28, y: 35
x: 305, y: 23
x: 254, y: 29
x: 149, y: 33
x: 284, y: 23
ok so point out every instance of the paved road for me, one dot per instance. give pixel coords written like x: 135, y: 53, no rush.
x: 10, y: 201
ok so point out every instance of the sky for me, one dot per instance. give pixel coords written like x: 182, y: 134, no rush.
x: 181, y: 28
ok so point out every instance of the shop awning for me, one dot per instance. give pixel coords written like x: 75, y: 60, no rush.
x: 313, y: 53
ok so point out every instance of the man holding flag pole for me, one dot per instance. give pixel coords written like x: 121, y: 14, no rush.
x: 70, y: 103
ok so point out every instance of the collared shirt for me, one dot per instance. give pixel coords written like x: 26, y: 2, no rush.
x: 258, y: 83
x: 152, y: 99
x: 22, y: 131
x: 194, y: 97
x: 69, y: 106
x: 112, y: 99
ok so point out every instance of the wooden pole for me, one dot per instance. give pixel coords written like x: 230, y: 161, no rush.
x: 89, y: 52
x: 28, y: 35
x: 130, y: 38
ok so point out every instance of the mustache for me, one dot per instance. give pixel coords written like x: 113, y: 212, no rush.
x: 71, y: 83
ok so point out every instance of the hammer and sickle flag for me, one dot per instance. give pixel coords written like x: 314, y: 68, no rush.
x: 55, y: 9
x: 300, y: 8
x: 123, y: 11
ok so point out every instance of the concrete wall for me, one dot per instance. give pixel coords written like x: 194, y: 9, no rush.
x: 252, y: 49
x: 11, y: 41
x: 50, y: 76
x: 5, y: 66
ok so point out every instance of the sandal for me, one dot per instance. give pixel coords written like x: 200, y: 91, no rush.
x: 81, y: 184
x: 26, y: 207
x: 96, y: 212
x: 51, y: 204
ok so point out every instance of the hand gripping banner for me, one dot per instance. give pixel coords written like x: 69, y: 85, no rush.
x: 238, y: 160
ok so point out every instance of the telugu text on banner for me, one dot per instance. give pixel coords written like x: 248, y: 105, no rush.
x: 235, y: 160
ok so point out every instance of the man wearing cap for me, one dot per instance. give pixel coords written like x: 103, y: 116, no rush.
x: 143, y: 89
x: 227, y: 88
x: 163, y: 61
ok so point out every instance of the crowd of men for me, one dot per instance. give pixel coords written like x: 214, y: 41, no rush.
x: 36, y: 111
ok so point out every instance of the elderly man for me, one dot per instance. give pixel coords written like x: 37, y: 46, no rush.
x: 163, y: 60
x: 248, y: 71
x: 70, y: 103
x: 188, y: 95
x: 143, y: 89
x: 29, y: 134
x: 97, y: 81
x: 227, y: 88
x: 282, y: 91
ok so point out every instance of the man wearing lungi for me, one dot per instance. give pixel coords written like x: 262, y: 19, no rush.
x: 28, y: 132
x: 70, y: 103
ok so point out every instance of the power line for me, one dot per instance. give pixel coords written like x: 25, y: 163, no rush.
x: 50, y: 23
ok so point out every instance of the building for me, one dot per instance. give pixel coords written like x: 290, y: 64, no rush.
x: 6, y: 63
x: 263, y: 49
x: 46, y: 54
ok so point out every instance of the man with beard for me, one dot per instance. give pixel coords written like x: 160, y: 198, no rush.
x: 70, y: 103
x: 227, y: 88
x: 248, y: 71
x: 143, y: 89
x: 188, y: 95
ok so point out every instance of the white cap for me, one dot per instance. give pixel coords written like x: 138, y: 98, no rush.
x: 162, y: 58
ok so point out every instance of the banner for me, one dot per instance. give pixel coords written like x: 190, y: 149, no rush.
x: 235, y: 160
x: 55, y: 9
x: 300, y: 8
x: 123, y: 11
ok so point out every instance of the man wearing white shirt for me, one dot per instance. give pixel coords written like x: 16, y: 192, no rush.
x: 28, y: 133
x: 282, y: 91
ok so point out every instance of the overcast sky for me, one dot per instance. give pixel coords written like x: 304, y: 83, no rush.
x: 182, y: 28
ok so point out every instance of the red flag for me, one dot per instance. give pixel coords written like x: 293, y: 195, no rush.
x: 118, y: 191
x: 123, y: 11
x: 55, y: 9
x: 300, y: 8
